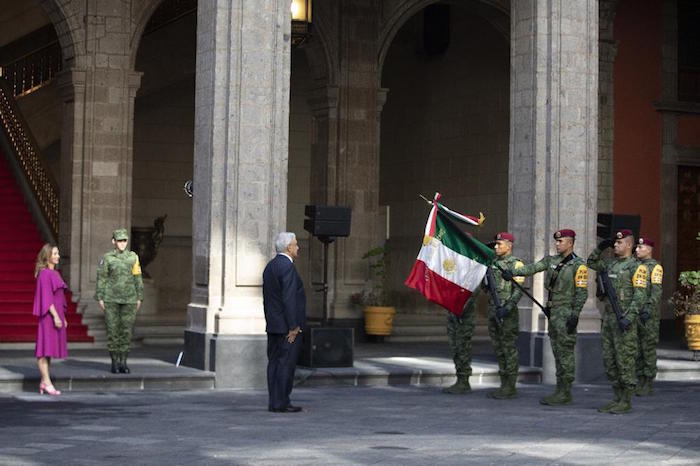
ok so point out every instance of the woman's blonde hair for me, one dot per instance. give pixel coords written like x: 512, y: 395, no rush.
x: 42, y: 259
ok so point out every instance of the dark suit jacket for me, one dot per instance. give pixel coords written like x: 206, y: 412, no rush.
x: 284, y: 299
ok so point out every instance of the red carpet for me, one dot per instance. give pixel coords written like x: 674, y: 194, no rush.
x: 20, y: 242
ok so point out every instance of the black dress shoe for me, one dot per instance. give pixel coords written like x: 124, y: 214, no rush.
x: 288, y: 409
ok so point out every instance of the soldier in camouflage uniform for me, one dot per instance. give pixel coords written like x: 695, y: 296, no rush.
x: 649, y: 316
x: 460, y: 331
x: 566, y: 280
x: 119, y: 294
x: 504, y: 321
x: 629, y: 279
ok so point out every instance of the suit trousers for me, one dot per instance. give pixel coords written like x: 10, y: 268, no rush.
x: 282, y: 359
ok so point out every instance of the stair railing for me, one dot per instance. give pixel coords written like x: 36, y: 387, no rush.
x: 33, y: 70
x: 26, y: 153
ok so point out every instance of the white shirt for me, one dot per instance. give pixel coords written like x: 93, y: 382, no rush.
x: 286, y: 255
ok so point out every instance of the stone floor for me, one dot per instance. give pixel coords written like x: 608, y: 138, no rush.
x: 392, y: 425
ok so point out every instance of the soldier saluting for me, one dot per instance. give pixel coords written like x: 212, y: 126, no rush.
x: 119, y: 294
x: 625, y: 283
x: 566, y: 281
x: 648, y: 324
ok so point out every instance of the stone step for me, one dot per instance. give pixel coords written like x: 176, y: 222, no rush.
x: 405, y: 371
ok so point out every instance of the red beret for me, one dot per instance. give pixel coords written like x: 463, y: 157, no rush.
x: 564, y: 233
x: 506, y: 236
x: 623, y: 234
x: 647, y: 241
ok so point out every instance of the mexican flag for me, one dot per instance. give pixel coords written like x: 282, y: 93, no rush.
x: 450, y: 264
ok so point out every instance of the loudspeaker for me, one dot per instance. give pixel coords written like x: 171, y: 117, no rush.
x: 327, y: 220
x: 327, y: 347
x: 608, y: 224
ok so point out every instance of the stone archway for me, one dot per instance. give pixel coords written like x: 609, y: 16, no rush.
x: 444, y: 128
x: 70, y: 32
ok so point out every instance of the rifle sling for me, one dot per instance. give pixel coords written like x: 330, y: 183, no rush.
x: 555, y: 275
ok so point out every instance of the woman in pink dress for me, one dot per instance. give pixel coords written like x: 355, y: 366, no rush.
x: 50, y: 308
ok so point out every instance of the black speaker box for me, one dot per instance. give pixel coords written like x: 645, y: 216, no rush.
x: 327, y: 347
x: 608, y: 224
x: 327, y: 220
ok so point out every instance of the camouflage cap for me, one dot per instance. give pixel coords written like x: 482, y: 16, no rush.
x: 120, y: 233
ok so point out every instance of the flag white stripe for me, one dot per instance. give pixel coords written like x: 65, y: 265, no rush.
x: 456, y: 268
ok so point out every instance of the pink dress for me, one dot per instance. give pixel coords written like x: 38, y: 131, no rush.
x: 50, y: 289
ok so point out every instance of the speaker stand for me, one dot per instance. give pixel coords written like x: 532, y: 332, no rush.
x: 326, y: 240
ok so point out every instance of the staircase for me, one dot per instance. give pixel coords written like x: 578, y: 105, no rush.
x: 20, y: 242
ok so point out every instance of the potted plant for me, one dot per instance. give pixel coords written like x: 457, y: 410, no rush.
x: 379, y: 314
x: 686, y: 302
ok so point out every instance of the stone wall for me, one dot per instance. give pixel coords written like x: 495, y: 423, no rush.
x: 444, y: 128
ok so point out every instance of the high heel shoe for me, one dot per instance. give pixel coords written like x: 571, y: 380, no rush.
x: 49, y: 389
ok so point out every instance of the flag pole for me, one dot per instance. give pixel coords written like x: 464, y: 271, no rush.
x: 546, y: 313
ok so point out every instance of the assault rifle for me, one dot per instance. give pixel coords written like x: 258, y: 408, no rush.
x: 605, y: 288
x: 491, y: 286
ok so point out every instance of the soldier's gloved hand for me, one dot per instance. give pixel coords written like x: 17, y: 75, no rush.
x: 571, y: 324
x: 644, y: 315
x: 501, y: 313
x: 624, y: 324
x: 605, y: 244
x: 507, y: 275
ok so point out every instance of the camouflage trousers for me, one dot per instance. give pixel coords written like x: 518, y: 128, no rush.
x: 504, y: 338
x: 619, y: 351
x: 459, y: 336
x: 563, y: 345
x: 648, y: 337
x: 119, y: 319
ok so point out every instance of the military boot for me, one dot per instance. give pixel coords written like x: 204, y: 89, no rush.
x: 615, y: 401
x: 115, y: 362
x: 624, y: 405
x: 499, y: 391
x: 641, y: 386
x: 123, y: 368
x: 508, y: 390
x: 546, y: 400
x: 563, y: 397
x: 650, y: 385
x: 459, y: 387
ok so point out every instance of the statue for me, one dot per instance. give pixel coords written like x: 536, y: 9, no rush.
x: 146, y: 240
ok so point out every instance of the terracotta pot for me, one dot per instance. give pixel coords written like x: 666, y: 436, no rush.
x: 692, y: 331
x: 379, y: 320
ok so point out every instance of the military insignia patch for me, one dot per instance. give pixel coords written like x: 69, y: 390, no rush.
x: 581, y: 278
x: 136, y: 269
x: 657, y: 275
x: 639, y: 279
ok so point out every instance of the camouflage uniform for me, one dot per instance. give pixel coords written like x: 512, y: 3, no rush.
x: 568, y: 295
x: 629, y: 279
x: 460, y: 331
x: 648, y: 332
x: 504, y: 335
x: 120, y: 286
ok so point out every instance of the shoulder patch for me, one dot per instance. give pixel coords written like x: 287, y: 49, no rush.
x: 136, y: 269
x: 640, y: 277
x: 581, y: 278
x: 519, y: 279
x: 657, y: 275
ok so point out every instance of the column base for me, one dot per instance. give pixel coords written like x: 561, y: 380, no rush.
x: 535, y: 349
x: 240, y: 361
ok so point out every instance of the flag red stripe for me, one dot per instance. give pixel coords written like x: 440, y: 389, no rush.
x: 437, y: 289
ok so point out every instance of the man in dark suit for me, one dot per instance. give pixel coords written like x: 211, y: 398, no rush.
x: 284, y: 302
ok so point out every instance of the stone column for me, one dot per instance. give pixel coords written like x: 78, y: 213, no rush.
x: 240, y: 182
x: 553, y: 146
x: 97, y: 142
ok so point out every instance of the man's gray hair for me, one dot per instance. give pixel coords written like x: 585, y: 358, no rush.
x: 283, y: 240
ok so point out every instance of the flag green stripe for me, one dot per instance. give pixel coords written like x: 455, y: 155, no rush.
x: 452, y: 237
